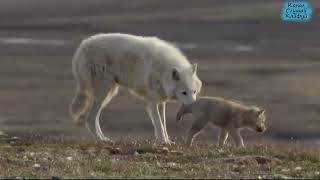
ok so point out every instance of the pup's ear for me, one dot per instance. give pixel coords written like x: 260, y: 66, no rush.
x: 258, y: 112
x: 175, y: 74
x: 194, y: 68
x: 261, y: 111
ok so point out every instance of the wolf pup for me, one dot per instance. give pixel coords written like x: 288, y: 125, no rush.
x: 229, y: 116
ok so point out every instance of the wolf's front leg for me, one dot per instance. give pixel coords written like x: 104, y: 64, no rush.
x: 162, y: 110
x: 155, y: 117
x: 236, y: 136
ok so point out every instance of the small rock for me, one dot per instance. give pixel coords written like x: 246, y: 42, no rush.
x: 2, y: 134
x: 32, y: 153
x: 176, y: 152
x: 114, y: 160
x: 220, y: 150
x: 158, y: 163
x: 298, y: 168
x: 92, y: 151
x: 36, y: 165
x: 285, y: 170
x: 165, y: 150
x: 172, y: 164
x: 317, y: 173
x: 135, y: 153
x: 69, y: 158
x: 230, y: 155
x: 281, y: 176
x: 13, y: 140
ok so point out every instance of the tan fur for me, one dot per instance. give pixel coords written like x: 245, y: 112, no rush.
x: 229, y: 116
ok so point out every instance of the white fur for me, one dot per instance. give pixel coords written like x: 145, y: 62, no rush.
x: 151, y: 68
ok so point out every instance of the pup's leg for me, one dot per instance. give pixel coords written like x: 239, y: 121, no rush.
x: 236, y: 136
x: 223, y: 136
x: 154, y: 114
x: 195, y: 129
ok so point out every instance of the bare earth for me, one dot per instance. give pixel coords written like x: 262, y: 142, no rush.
x: 245, y: 52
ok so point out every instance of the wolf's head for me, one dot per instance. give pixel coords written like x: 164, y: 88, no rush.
x: 185, y: 84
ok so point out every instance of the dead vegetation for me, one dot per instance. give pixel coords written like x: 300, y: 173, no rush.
x: 55, y: 158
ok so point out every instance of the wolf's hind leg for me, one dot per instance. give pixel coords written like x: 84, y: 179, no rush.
x: 104, y: 90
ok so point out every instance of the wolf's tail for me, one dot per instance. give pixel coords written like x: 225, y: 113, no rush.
x: 82, y: 100
x: 80, y: 106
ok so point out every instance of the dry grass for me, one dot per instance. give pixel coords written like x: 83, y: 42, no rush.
x: 37, y: 157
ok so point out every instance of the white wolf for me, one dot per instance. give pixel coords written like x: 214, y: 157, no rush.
x: 148, y: 67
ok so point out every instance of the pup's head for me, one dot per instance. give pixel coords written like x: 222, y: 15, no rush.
x: 255, y: 119
x: 186, y: 84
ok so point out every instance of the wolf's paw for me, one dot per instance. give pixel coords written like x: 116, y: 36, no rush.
x: 169, y: 142
x: 106, y: 140
x: 160, y: 142
x: 164, y: 142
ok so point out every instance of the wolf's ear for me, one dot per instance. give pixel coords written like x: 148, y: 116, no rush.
x: 194, y: 68
x: 175, y: 74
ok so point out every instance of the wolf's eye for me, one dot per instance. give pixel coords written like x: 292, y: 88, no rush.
x: 184, y: 93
